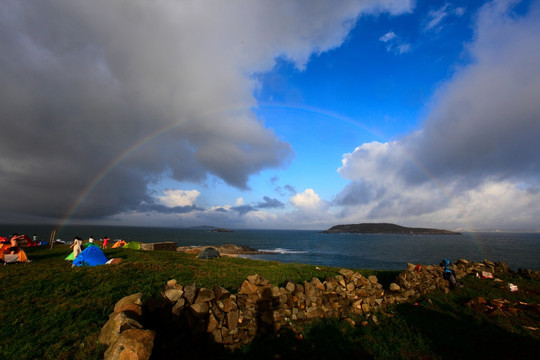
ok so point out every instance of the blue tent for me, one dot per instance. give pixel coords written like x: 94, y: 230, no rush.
x: 91, y: 256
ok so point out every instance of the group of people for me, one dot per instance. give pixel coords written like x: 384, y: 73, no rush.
x: 12, y: 247
x: 78, y: 244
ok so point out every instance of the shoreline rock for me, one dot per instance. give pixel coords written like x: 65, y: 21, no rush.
x: 230, y: 250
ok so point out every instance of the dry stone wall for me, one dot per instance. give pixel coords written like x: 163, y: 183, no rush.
x: 231, y: 320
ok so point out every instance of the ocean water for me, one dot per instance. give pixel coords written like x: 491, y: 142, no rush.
x: 355, y: 251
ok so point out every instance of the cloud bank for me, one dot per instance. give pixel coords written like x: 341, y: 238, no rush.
x: 474, y: 162
x: 100, y: 99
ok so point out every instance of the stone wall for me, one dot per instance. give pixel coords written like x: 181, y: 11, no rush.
x: 170, y: 246
x: 187, y: 313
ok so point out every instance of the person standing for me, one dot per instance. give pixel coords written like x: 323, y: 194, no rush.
x: 77, y: 246
x: 91, y: 239
x: 105, y: 242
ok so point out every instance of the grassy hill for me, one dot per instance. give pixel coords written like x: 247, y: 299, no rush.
x: 52, y: 311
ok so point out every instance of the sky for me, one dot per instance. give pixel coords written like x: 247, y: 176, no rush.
x: 271, y: 114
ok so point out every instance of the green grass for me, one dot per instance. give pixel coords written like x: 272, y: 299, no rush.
x: 49, y: 310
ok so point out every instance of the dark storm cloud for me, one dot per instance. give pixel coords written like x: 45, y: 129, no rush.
x: 83, y: 83
x: 167, y: 210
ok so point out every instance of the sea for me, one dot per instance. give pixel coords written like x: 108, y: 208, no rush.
x: 353, y: 251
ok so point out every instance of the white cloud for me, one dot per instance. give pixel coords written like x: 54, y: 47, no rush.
x: 395, y: 44
x: 239, y: 201
x: 436, y: 16
x: 388, y: 37
x: 308, y: 200
x: 176, y: 197
x: 474, y: 163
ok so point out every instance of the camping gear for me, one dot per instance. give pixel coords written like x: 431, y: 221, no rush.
x: 512, y: 287
x: 91, y: 256
x: 486, y: 275
x: 11, y: 259
x: 89, y: 244
x: 119, y: 243
x: 133, y: 245
x: 70, y: 257
x: 209, y: 253
x: 449, y: 274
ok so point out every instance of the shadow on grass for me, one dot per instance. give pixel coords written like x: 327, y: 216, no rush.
x: 460, y: 336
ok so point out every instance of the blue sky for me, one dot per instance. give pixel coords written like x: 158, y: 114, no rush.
x: 271, y: 114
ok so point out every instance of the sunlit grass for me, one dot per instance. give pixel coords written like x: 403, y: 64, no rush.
x: 52, y: 311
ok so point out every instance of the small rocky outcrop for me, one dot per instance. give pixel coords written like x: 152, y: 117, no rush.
x: 225, y: 250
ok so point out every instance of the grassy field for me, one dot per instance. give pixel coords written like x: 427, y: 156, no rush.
x: 49, y: 310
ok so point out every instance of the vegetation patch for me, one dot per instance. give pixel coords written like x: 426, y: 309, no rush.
x: 53, y: 311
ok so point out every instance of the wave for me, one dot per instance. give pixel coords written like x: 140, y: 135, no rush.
x: 283, y: 251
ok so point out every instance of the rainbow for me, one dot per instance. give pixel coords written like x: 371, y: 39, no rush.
x: 263, y: 106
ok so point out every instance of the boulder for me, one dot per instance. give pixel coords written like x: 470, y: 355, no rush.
x: 133, y: 344
x: 117, y: 323
x: 209, y: 253
x: 131, y: 303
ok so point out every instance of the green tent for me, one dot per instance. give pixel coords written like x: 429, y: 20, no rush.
x: 71, y: 256
x: 133, y: 245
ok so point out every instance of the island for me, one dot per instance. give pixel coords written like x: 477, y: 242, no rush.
x: 221, y: 230
x: 385, y: 228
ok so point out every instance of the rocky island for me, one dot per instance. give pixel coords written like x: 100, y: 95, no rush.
x: 384, y: 228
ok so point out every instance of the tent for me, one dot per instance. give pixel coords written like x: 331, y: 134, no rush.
x: 71, y: 256
x: 91, y: 256
x: 209, y: 253
x: 119, y: 243
x: 133, y: 245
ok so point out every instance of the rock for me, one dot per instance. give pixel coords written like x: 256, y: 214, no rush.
x: 169, y: 246
x: 190, y: 292
x: 227, y: 305
x: 254, y: 279
x: 133, y: 344
x: 171, y: 283
x: 204, y: 295
x: 199, y: 310
x: 209, y: 253
x: 179, y: 307
x: 212, y: 323
x: 220, y: 292
x: 131, y: 303
x: 118, y: 323
x: 394, y: 287
x: 173, y: 294
x: 373, y: 279
x: 347, y: 273
x: 247, y: 288
x: 290, y: 286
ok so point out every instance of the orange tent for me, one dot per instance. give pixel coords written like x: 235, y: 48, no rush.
x: 119, y: 243
x: 20, y: 252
